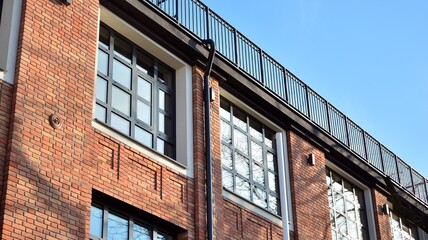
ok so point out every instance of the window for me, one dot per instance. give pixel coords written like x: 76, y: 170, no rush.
x: 1, y: 9
x: 401, y: 229
x: 108, y: 224
x: 135, y: 92
x: 248, y: 156
x: 348, y: 214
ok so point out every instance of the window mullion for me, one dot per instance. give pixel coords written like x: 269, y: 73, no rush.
x: 155, y: 105
x: 134, y: 82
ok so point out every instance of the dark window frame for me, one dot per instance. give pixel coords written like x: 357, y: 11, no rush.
x: 1, y: 10
x: 106, y: 208
x: 265, y: 150
x: 157, y: 84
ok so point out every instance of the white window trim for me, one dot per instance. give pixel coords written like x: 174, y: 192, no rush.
x: 9, y: 33
x: 367, y: 197
x: 184, y: 112
x: 283, y: 170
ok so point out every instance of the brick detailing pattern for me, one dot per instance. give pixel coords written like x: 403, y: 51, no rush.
x: 241, y: 223
x: 308, y: 189
x: 382, y: 220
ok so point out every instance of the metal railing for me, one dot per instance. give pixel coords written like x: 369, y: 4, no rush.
x: 238, y: 50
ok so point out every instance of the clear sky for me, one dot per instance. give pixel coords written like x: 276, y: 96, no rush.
x: 369, y: 58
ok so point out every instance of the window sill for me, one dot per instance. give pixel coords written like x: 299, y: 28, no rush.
x: 150, y: 153
x: 252, y: 207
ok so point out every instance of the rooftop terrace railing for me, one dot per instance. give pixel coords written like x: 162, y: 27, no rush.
x: 235, y: 48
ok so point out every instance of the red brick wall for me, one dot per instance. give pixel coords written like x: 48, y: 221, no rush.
x: 6, y: 92
x: 308, y: 189
x: 383, y: 223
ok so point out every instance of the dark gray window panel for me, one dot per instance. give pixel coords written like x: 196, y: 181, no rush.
x: 135, y: 92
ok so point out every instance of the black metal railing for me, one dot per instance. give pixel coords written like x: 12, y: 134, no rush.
x: 238, y: 50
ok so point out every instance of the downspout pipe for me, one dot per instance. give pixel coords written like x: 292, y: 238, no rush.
x: 211, y: 46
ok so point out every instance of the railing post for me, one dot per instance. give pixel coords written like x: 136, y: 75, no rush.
x: 366, y: 155
x: 177, y: 9
x: 235, y: 43
x: 284, y: 70
x: 381, y: 158
x: 426, y: 190
x: 411, y: 179
x: 307, y: 101
x: 398, y: 171
x: 347, y: 132
x: 328, y: 116
x: 262, y: 77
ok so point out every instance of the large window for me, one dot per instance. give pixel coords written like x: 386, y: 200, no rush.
x: 248, y: 156
x: 135, y: 92
x: 348, y: 214
x: 401, y: 229
x: 108, y: 224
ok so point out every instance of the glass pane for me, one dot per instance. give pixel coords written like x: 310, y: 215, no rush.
x: 226, y: 157
x: 341, y: 223
x: 164, y: 147
x: 257, y: 152
x: 121, y: 100
x: 242, y: 188
x: 143, y: 136
x: 164, y: 101
x: 161, y: 236
x: 273, y: 204
x: 225, y: 110
x: 240, y: 141
x: 239, y: 119
x: 101, y: 89
x: 269, y: 138
x: 100, y: 113
x: 144, y: 89
x: 104, y: 37
x: 256, y: 130
x: 340, y: 204
x: 226, y: 132
x: 258, y: 174
x: 165, y: 76
x: 144, y: 112
x: 102, y: 66
x: 272, y: 182
x: 141, y: 233
x: 122, y: 48
x: 119, y: 123
x: 145, y: 63
x: 227, y: 179
x: 352, y: 229
x: 165, y: 124
x: 259, y: 197
x: 242, y: 165
x: 96, y: 224
x: 117, y: 227
x: 270, y: 161
x: 121, y: 74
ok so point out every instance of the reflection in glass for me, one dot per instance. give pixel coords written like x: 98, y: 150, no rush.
x: 143, y: 136
x: 226, y: 132
x: 269, y: 138
x: 164, y: 101
x: 273, y: 204
x: 242, y: 165
x: 101, y: 113
x: 123, y: 49
x: 240, y: 141
x: 256, y: 130
x: 225, y: 110
x: 259, y: 197
x: 165, y: 76
x: 119, y: 123
x: 164, y: 147
x: 121, y: 100
x: 243, y: 188
x: 104, y: 37
x: 101, y: 89
x: 270, y: 161
x: 258, y: 174
x: 144, y: 89
x: 239, y: 119
x: 145, y: 63
x: 141, y: 233
x: 257, y: 152
x: 227, y: 179
x: 226, y: 156
x: 102, y: 65
x: 144, y: 112
x: 121, y: 74
x: 165, y: 124
x: 117, y: 227
x: 96, y: 225
x: 272, y: 181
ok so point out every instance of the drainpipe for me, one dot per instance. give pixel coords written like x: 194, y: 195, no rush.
x: 211, y: 46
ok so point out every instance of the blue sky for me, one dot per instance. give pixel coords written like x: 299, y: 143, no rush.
x: 369, y: 58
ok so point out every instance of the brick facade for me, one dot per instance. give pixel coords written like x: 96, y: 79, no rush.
x: 48, y: 176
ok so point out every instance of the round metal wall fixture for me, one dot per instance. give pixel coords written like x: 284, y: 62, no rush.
x: 55, y: 121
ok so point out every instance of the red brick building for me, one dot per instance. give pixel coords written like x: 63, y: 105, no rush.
x: 102, y: 134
